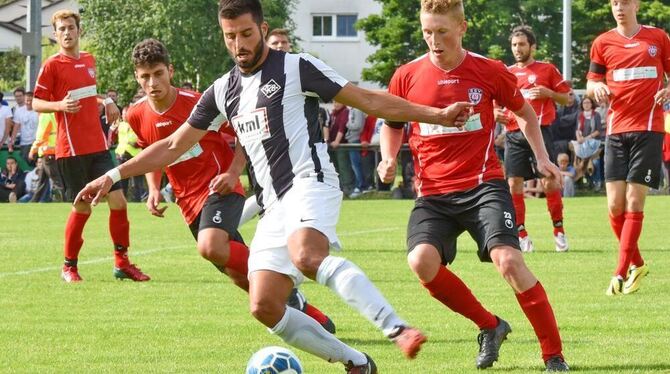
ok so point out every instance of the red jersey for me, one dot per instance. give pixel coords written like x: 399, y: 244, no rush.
x: 540, y: 74
x: 633, y: 69
x: 78, y: 133
x: 191, y: 174
x: 447, y: 159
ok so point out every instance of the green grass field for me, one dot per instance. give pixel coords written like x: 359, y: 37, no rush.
x: 190, y: 318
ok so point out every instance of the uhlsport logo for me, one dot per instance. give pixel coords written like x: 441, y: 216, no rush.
x: 652, y: 50
x: 475, y: 95
x: 270, y: 88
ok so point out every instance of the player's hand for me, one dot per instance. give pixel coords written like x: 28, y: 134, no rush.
x: 153, y: 200
x: 456, y: 114
x: 69, y: 105
x: 500, y: 116
x: 549, y: 170
x: 386, y: 170
x: 223, y: 183
x: 662, y: 96
x: 112, y: 113
x: 602, y: 93
x: 94, y: 191
x: 539, y: 92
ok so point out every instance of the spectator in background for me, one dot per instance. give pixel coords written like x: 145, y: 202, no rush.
x: 114, y: 95
x: 278, y: 39
x: 353, y: 136
x: 25, y: 127
x: 5, y: 120
x: 568, y: 173
x: 12, y: 184
x: 337, y: 128
x: 186, y: 85
x: 17, y: 110
x: 368, y: 156
x: 33, y: 192
x: 45, y: 148
x: 126, y: 149
x: 565, y: 125
x: 587, y: 146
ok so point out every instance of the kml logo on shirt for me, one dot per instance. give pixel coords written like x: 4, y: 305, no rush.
x: 475, y: 95
x: 270, y: 88
x: 652, y: 50
x: 251, y: 127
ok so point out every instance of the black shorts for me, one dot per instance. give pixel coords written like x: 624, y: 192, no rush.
x: 76, y: 171
x: 486, y: 212
x: 220, y: 212
x: 634, y: 157
x: 519, y: 158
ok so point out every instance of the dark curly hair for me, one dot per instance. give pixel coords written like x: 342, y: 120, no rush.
x: 150, y: 52
x: 524, y: 30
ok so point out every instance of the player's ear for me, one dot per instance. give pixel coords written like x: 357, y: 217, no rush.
x: 264, y: 30
x: 171, y: 71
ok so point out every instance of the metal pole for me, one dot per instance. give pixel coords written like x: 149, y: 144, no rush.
x: 34, y: 33
x: 567, y: 39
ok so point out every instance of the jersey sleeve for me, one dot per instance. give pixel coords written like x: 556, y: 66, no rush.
x: 506, y: 92
x: 136, y: 125
x: 558, y: 82
x: 45, y: 82
x: 318, y: 78
x: 206, y: 114
x: 397, y: 88
x: 666, y: 54
x: 597, y: 68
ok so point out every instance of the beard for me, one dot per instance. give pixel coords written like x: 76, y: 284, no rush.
x: 255, y: 56
x: 523, y: 58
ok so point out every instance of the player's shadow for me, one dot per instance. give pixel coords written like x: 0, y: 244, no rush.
x: 385, y: 342
x: 625, y: 368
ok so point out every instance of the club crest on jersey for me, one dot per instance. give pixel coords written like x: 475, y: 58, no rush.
x: 652, y: 50
x: 91, y: 72
x: 270, y: 88
x: 475, y: 95
x: 532, y: 78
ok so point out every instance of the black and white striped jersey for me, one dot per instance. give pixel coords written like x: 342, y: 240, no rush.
x: 274, y: 112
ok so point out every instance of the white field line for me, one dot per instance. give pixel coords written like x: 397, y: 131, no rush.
x: 150, y: 251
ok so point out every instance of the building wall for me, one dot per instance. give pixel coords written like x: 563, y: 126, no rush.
x: 346, y: 54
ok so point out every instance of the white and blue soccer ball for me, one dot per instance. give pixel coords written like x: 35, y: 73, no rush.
x: 274, y: 360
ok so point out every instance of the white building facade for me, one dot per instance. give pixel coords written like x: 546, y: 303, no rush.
x: 325, y: 28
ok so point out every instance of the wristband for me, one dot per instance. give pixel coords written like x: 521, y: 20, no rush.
x: 114, y: 175
x: 108, y: 101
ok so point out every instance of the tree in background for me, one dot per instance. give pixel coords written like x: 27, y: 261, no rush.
x: 12, y: 70
x: 397, y: 30
x: 189, y: 29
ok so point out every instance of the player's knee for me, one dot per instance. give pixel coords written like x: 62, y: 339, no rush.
x: 424, y: 261
x: 268, y: 312
x: 615, y: 209
x: 307, y: 261
x: 508, y: 261
x: 212, y: 251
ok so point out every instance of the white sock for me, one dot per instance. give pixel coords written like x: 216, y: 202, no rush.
x: 251, y: 208
x: 301, y: 331
x: 354, y: 287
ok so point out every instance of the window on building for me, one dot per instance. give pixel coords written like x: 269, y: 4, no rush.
x: 322, y: 25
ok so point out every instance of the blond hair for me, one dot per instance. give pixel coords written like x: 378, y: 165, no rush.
x: 453, y: 8
x: 64, y: 14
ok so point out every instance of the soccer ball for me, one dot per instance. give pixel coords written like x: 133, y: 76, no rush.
x: 274, y: 360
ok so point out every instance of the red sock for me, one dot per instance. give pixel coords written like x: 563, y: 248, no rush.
x: 238, y: 258
x: 535, y: 305
x: 452, y: 292
x: 630, y: 233
x: 555, y: 207
x: 119, y: 229
x: 73, y: 236
x: 520, y: 209
x: 617, y: 226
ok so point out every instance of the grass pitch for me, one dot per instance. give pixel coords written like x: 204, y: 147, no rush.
x: 190, y: 318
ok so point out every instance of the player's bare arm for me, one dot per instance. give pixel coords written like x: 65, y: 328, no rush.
x: 67, y: 105
x: 390, y: 141
x: 663, y: 96
x: 542, y: 92
x: 154, y: 199
x: 530, y: 127
x: 225, y: 182
x: 111, y: 110
x: 393, y: 108
x: 156, y: 156
x: 598, y: 90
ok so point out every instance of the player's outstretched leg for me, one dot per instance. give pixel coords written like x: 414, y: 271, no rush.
x: 268, y: 291
x: 119, y: 229
x: 533, y: 301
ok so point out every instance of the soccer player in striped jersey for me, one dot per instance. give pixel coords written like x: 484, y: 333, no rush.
x: 629, y: 69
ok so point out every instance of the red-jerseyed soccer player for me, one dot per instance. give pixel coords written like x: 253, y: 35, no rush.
x: 66, y: 85
x: 460, y: 184
x: 210, y: 199
x: 542, y: 85
x: 628, y: 67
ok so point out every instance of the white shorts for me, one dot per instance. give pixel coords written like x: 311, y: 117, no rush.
x: 307, y: 204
